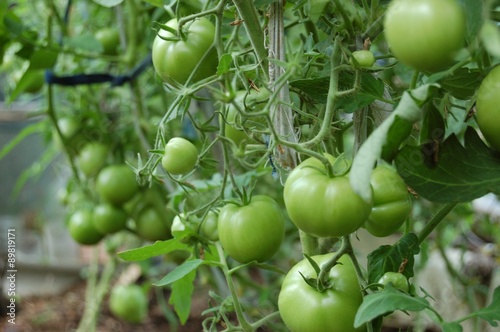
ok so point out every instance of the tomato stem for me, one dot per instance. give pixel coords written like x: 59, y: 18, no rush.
x: 345, y: 247
x: 435, y: 221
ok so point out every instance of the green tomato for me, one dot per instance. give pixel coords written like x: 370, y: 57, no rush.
x: 82, y: 229
x: 425, y: 34
x: 176, y: 60
x: 92, y: 158
x: 252, y: 232
x: 109, y: 38
x: 116, y: 184
x: 305, y: 309
x: 209, y: 226
x: 391, y: 202
x: 35, y: 79
x: 180, y: 156
x: 154, y: 225
x: 364, y: 58
x: 487, y: 110
x: 129, y: 302
x: 109, y: 218
x: 320, y: 205
x: 396, y: 279
x: 70, y: 129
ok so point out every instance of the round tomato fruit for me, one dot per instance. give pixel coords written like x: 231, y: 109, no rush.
x: 425, y: 34
x: 396, y: 279
x: 116, y: 184
x: 109, y: 218
x: 320, y: 205
x: 154, y: 225
x: 304, y: 309
x: 82, y: 229
x: 487, y: 110
x: 109, y: 38
x: 129, y: 302
x: 252, y: 232
x: 175, y: 58
x: 391, y: 202
x: 364, y: 58
x: 92, y: 158
x: 180, y: 156
x: 209, y: 226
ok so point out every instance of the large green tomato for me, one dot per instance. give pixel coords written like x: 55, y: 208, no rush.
x: 180, y: 156
x: 252, y: 232
x: 82, y: 229
x: 109, y: 218
x: 425, y: 34
x: 129, y: 302
x: 487, y: 108
x: 391, y: 202
x: 116, y: 184
x: 320, y: 205
x: 305, y: 309
x: 175, y: 60
x: 92, y: 158
x: 153, y: 224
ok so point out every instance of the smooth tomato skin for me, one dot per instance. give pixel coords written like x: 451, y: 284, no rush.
x: 398, y: 280
x: 129, y: 302
x: 116, y: 184
x: 487, y: 110
x: 253, y: 232
x: 391, y: 202
x: 304, y: 309
x: 180, y: 156
x: 425, y: 34
x: 322, y: 206
x: 82, y: 229
x: 364, y: 58
x: 109, y: 219
x: 209, y: 226
x: 92, y: 158
x: 109, y: 38
x: 174, y: 61
x: 154, y: 225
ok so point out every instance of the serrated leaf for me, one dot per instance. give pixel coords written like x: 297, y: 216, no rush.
x: 432, y: 129
x: 452, y: 327
x: 180, y: 272
x: 180, y: 298
x: 371, y: 150
x: 371, y: 89
x: 108, y: 3
x: 389, y: 258
x: 157, y: 249
x: 454, y: 173
x: 316, y: 8
x: 462, y: 84
x: 225, y: 62
x: 491, y: 313
x: 386, y: 301
x: 316, y: 88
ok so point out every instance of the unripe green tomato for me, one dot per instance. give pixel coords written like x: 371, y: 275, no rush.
x: 36, y: 80
x: 129, y: 302
x: 92, y: 158
x: 209, y: 226
x: 116, y: 184
x: 154, y: 225
x: 82, y: 229
x: 71, y: 131
x: 391, y: 202
x: 487, y: 108
x: 398, y: 280
x: 364, y: 58
x: 425, y: 34
x: 109, y: 39
x: 109, y: 218
x: 180, y: 156
x: 181, y: 224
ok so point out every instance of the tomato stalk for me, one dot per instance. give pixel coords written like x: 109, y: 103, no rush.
x: 435, y: 221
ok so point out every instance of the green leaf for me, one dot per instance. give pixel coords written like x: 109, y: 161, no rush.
x: 371, y: 89
x: 491, y: 313
x: 157, y: 249
x: 432, y: 129
x: 386, y: 301
x: 463, y: 83
x: 34, y: 128
x: 316, y: 8
x: 85, y: 42
x: 180, y: 272
x: 409, y: 110
x: 43, y: 59
x: 453, y: 173
x: 473, y: 18
x: 452, y: 327
x: 388, y: 258
x: 180, y: 298
x: 108, y: 3
x: 225, y: 62
x: 156, y: 3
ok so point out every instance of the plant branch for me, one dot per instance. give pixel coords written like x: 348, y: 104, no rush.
x: 435, y: 221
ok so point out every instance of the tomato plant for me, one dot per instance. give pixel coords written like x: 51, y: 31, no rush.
x: 177, y: 57
x: 391, y: 202
x: 487, y: 111
x: 116, y: 184
x: 396, y: 279
x: 180, y: 156
x: 82, y: 229
x: 253, y: 231
x: 303, y: 308
x: 425, y: 34
x: 109, y: 219
x: 129, y: 302
x: 321, y: 205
